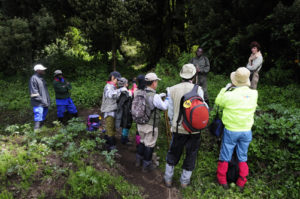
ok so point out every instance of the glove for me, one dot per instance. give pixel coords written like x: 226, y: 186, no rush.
x: 228, y: 85
x: 162, y: 95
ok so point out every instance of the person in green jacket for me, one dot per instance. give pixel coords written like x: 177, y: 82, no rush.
x: 238, y: 103
x: 63, y: 99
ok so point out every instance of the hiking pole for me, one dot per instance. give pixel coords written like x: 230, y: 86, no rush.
x: 168, y: 131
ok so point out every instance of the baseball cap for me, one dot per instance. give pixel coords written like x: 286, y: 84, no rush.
x: 57, y: 72
x: 151, y: 77
x: 39, y: 67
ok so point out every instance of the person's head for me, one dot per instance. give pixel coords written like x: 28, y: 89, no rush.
x: 152, y: 80
x: 255, y: 47
x: 199, y: 52
x: 123, y: 82
x: 39, y: 69
x: 114, y: 77
x: 141, y: 82
x: 240, y: 77
x: 58, y: 73
x: 188, y: 72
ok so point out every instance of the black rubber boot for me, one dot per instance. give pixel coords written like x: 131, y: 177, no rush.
x: 140, y: 155
x: 148, y: 166
x: 61, y: 120
x: 110, y: 143
x: 37, y: 125
x: 74, y: 115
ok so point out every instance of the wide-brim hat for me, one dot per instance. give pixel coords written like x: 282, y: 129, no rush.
x: 188, y: 71
x: 57, y: 72
x: 240, y: 77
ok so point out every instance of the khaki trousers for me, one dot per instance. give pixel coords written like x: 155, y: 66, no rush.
x: 147, y: 137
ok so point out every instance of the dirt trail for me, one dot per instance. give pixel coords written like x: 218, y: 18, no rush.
x: 152, y: 183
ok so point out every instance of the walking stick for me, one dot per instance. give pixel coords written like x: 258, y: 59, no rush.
x: 168, y: 130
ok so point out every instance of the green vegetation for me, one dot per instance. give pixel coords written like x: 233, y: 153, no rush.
x: 89, y: 39
x: 273, y: 154
x: 69, y: 155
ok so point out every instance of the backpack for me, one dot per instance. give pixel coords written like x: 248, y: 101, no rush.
x: 93, y: 123
x: 216, y: 128
x: 232, y: 174
x: 194, y: 112
x: 140, y: 110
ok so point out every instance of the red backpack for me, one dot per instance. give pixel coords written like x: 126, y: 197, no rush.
x: 194, y: 112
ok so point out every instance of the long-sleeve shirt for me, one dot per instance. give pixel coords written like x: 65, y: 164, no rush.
x: 38, y: 91
x: 238, y: 107
x: 255, y: 64
x: 109, y: 99
x: 201, y: 63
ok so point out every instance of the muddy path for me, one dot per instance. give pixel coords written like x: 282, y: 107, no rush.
x: 152, y: 183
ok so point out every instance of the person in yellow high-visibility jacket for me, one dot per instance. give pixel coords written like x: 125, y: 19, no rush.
x: 239, y: 103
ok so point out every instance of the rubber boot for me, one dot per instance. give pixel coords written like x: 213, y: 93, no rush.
x: 61, y: 120
x: 37, y: 125
x: 74, y: 115
x: 148, y: 166
x: 140, y: 155
x: 110, y: 143
x: 169, y: 175
x: 221, y: 173
x: 185, y: 178
x: 243, y: 173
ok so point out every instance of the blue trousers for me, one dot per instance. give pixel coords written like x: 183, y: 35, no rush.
x: 40, y: 113
x: 232, y: 139
x: 65, y: 104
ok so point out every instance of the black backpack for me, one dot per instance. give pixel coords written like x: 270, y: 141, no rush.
x: 233, y: 168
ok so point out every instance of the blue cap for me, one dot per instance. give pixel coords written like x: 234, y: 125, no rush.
x: 116, y: 74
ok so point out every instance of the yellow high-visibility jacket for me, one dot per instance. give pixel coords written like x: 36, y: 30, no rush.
x: 238, y: 106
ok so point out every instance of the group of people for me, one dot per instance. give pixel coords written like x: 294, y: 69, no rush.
x: 238, y: 101
x: 40, y: 98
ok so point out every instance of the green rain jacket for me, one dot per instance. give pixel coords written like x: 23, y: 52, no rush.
x: 238, y: 106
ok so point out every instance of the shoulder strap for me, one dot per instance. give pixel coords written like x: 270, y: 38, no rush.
x: 154, y: 120
x: 180, y: 113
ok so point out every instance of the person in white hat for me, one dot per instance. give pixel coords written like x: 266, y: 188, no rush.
x: 238, y: 103
x: 39, y: 95
x: 182, y: 139
x: 63, y: 100
x: 149, y: 131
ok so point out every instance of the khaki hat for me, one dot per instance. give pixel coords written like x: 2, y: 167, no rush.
x: 151, y: 77
x: 57, y: 72
x: 240, y: 77
x: 188, y: 71
x: 39, y: 67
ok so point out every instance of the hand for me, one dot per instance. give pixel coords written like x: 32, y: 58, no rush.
x: 162, y: 95
x: 198, y: 68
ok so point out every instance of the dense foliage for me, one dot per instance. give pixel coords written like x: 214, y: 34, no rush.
x: 274, y: 152
x: 163, y: 28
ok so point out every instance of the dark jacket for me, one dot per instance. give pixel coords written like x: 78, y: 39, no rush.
x: 202, y: 63
x: 61, y: 88
x: 123, y: 115
x: 38, y: 91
